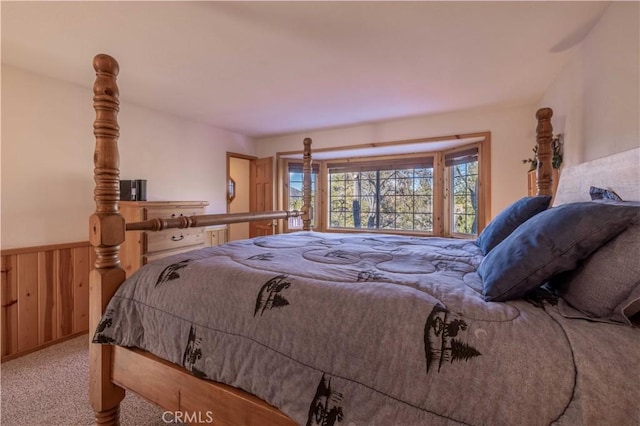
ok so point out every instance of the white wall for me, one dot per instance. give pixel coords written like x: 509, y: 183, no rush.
x: 595, y: 101
x: 47, y: 140
x: 596, y: 97
x: 47, y: 158
x: 512, y: 138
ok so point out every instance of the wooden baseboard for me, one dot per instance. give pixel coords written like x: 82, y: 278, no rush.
x: 46, y: 345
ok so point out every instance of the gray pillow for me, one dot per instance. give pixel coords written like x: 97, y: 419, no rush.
x: 606, y: 285
x: 551, y: 242
x: 603, y: 194
x: 509, y: 219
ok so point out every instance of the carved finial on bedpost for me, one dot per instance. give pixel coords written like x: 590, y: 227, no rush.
x: 544, y: 154
x: 307, y: 208
x: 106, y: 233
x: 106, y: 225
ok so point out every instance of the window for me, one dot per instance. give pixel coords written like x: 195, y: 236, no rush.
x: 462, y: 167
x: 294, y: 192
x: 381, y: 195
x: 441, y: 192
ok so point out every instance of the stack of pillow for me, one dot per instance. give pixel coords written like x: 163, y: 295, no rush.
x: 588, y: 252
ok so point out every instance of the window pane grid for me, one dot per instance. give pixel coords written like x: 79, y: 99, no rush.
x: 464, y: 200
x: 296, y: 198
x: 400, y: 199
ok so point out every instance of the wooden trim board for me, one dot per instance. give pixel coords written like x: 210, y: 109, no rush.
x: 175, y: 389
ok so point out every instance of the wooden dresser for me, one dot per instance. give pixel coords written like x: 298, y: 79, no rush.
x: 142, y: 247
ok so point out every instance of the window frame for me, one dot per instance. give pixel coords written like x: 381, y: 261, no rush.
x: 441, y: 210
x: 284, y: 185
x: 373, y: 164
x: 448, y: 187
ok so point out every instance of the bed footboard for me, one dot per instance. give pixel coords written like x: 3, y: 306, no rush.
x: 177, y: 390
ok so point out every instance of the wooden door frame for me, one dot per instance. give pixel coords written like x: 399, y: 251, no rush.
x: 230, y: 155
x: 237, y: 156
x: 252, y: 195
x: 269, y: 227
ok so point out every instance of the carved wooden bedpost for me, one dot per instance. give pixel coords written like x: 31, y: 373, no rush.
x: 544, y: 154
x: 106, y: 233
x: 307, y: 208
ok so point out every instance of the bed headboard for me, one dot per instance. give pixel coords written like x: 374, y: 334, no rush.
x: 618, y: 172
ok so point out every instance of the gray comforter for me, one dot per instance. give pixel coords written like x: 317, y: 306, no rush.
x: 375, y: 330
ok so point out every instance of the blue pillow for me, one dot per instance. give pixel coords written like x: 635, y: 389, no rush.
x: 606, y: 285
x: 509, y: 219
x: 551, y: 242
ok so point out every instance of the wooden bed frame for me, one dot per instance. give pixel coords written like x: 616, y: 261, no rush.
x: 113, y: 369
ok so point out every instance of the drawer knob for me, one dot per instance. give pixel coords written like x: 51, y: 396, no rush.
x: 174, y: 215
x: 174, y: 238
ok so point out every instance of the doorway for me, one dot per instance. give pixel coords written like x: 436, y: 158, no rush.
x: 252, y: 180
x: 239, y: 170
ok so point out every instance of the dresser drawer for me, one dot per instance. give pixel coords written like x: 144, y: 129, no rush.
x: 171, y: 239
x: 141, y: 247
x: 169, y: 213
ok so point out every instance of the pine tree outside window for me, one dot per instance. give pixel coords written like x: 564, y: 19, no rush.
x: 440, y: 193
x: 462, y: 167
x: 391, y: 195
x: 294, y: 193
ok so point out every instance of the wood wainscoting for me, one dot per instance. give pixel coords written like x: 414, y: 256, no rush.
x: 45, y: 296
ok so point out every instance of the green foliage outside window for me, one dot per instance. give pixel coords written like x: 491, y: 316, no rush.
x: 464, y: 207
x: 399, y: 199
x: 394, y: 196
x: 295, y: 196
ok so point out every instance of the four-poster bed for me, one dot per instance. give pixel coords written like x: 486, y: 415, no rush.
x: 453, y: 329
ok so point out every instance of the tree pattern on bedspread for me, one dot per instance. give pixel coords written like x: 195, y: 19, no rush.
x: 193, y: 353
x: 440, y: 344
x: 100, y: 336
x: 270, y: 295
x: 170, y: 273
x: 325, y: 409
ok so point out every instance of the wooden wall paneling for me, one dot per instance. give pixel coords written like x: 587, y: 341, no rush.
x: 9, y: 298
x: 3, y: 304
x: 47, y: 296
x: 27, y: 279
x: 44, y: 295
x: 65, y: 292
x: 81, y: 268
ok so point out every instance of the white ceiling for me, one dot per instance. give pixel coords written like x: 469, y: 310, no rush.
x: 266, y: 68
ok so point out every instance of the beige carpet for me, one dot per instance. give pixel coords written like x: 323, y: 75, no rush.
x: 49, y: 387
